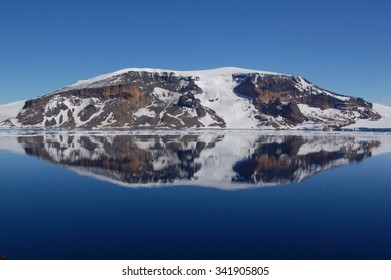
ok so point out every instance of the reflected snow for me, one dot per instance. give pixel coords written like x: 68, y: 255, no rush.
x: 218, y: 160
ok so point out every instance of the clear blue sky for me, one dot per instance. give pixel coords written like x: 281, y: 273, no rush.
x: 344, y: 46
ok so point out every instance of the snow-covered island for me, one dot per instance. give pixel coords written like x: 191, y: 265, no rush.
x: 223, y: 98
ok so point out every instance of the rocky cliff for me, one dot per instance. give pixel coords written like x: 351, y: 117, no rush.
x: 219, y: 98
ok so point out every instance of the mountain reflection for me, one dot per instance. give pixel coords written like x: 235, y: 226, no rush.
x: 224, y: 161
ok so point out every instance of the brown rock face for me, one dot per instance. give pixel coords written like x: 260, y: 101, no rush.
x: 114, y: 101
x: 264, y: 88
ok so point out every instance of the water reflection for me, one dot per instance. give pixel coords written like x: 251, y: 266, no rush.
x: 228, y: 161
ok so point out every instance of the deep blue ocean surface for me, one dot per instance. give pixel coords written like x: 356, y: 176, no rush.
x: 49, y: 211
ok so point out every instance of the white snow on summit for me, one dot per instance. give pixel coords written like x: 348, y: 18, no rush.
x: 202, y: 74
x: 218, y: 94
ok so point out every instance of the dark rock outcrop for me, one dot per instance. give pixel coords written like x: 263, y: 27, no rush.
x: 188, y: 100
x: 290, y: 111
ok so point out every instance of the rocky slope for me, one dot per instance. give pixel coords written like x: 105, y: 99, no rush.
x: 219, y: 98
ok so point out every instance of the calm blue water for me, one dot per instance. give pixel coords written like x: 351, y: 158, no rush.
x: 48, y: 211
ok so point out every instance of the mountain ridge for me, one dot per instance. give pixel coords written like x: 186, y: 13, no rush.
x: 225, y: 97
